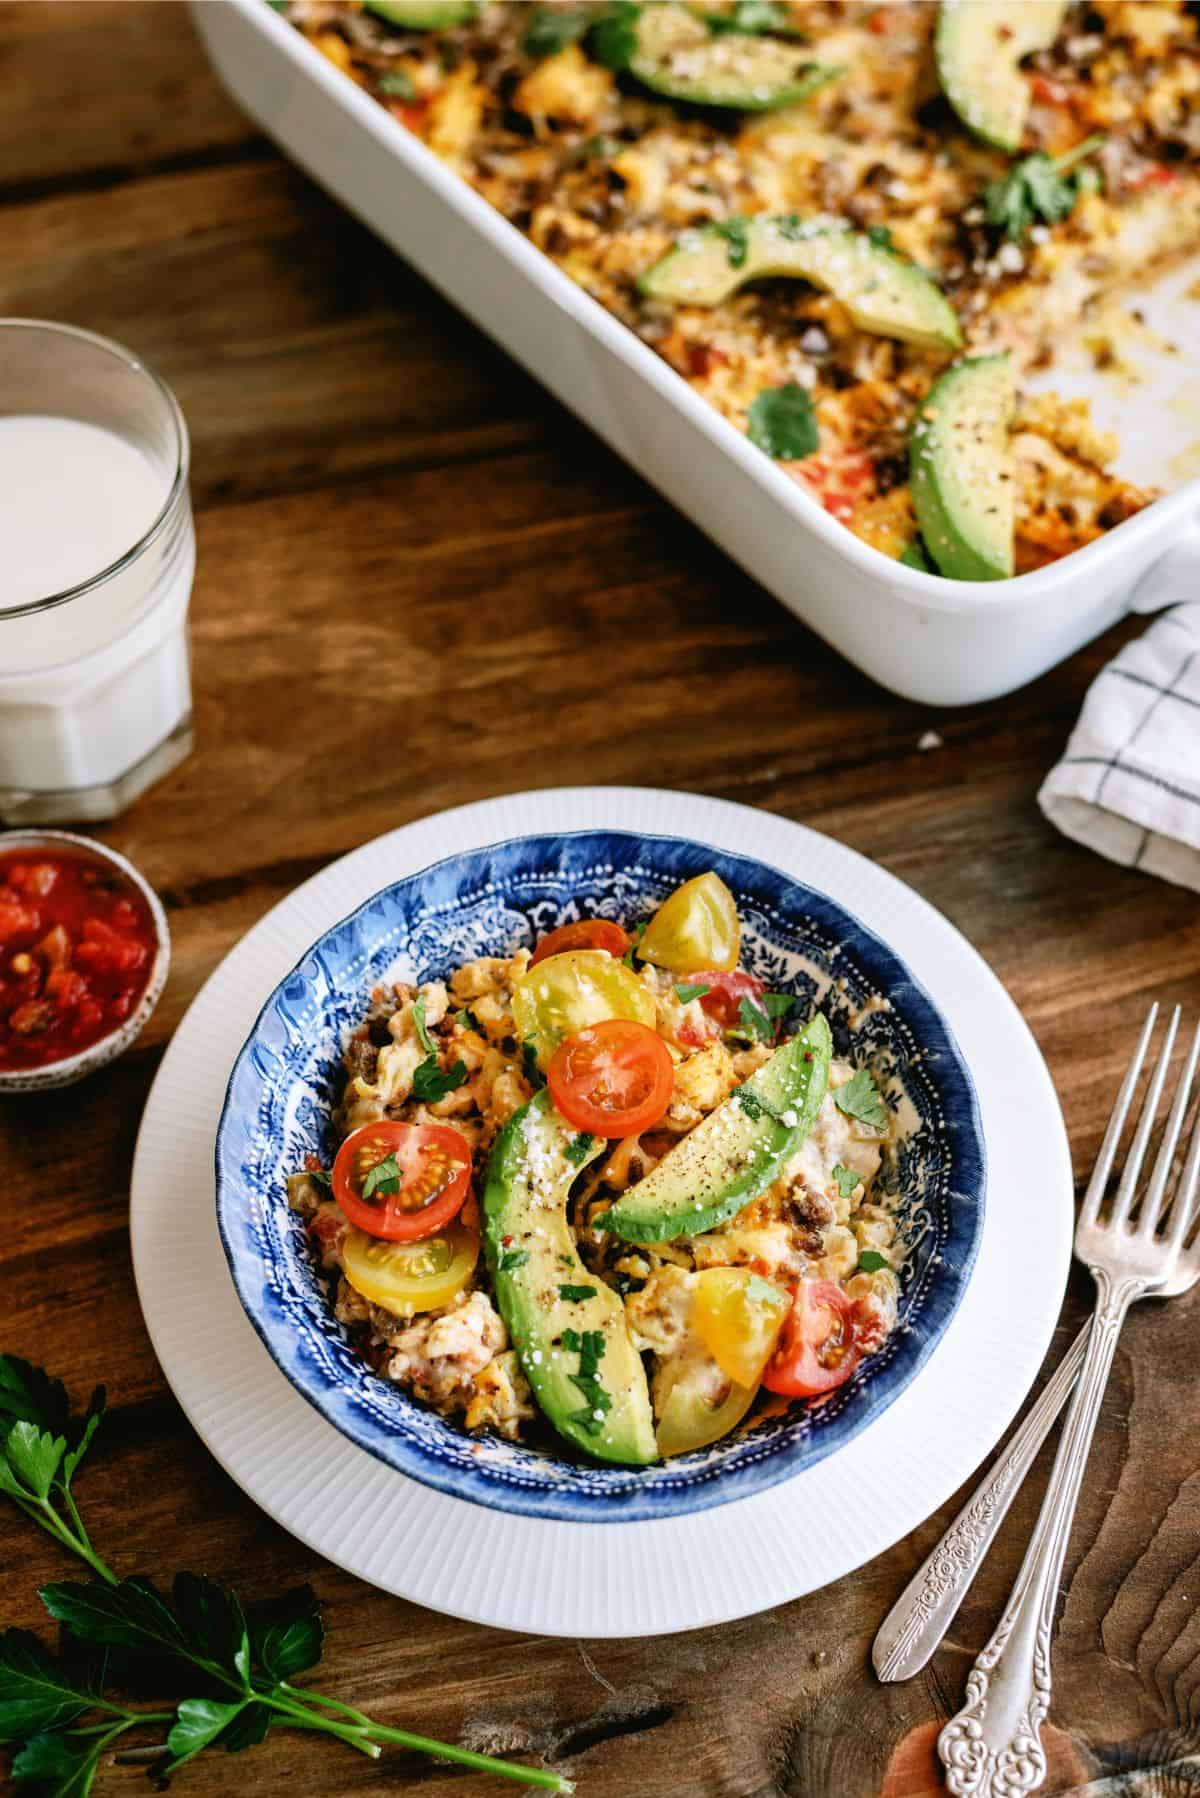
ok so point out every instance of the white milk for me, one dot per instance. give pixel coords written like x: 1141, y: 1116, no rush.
x: 91, y: 688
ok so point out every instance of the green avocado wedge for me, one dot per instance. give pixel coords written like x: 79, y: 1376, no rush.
x: 961, y: 470
x: 883, y: 292
x: 423, y: 15
x: 567, y: 1326
x: 978, y: 47
x: 734, y: 1153
x: 671, y: 50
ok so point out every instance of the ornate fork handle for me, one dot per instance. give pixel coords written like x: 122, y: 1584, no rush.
x: 992, y: 1748
x: 921, y: 1615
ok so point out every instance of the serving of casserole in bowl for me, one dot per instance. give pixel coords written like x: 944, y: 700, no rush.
x: 840, y: 239
x: 600, y: 1177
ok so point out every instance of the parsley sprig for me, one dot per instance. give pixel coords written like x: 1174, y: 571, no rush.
x: 237, y: 1665
x: 431, y: 1083
x: 1038, y: 187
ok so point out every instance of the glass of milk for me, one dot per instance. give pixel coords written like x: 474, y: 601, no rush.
x: 97, y: 553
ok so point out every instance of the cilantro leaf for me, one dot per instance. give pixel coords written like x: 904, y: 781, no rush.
x: 615, y: 36
x: 551, y: 29
x: 60, y: 1766
x: 529, y: 1062
x: 1036, y: 187
x: 430, y: 1084
x: 753, y: 1020
x: 871, y: 1261
x: 384, y: 1179
x: 847, y: 1181
x: 35, y: 1691
x: 470, y: 1022
x: 880, y: 236
x: 320, y: 1177
x: 777, y: 1005
x: 860, y: 1099
x: 512, y: 1258
x: 685, y: 993
x: 576, y: 1292
x: 420, y: 1026
x: 579, y: 1148
x: 198, y: 1723
x: 397, y: 84
x: 736, y: 232
x: 287, y: 1635
x: 636, y: 935
x: 781, y: 422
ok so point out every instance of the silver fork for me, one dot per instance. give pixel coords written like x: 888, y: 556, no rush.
x: 992, y: 1748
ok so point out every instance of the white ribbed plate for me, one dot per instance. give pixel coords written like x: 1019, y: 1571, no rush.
x: 607, y: 1579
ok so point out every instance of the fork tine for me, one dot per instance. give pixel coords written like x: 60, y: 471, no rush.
x: 1152, y: 1204
x: 1141, y: 1136
x: 1184, y: 1207
x: 1094, y: 1195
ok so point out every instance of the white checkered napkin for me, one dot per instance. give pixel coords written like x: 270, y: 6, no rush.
x: 1129, y: 783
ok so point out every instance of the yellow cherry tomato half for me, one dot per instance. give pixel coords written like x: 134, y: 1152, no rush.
x: 695, y: 927
x: 562, y: 995
x: 407, y: 1277
x: 688, y: 1418
x: 738, y: 1316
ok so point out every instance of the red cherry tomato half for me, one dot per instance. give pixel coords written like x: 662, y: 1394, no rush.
x: 726, y: 992
x: 588, y: 933
x: 612, y: 1079
x: 817, y: 1348
x: 402, y: 1181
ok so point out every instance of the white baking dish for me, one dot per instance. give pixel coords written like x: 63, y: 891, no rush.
x: 944, y: 642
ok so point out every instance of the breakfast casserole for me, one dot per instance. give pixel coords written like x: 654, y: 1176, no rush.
x: 853, y: 227
x: 613, y: 1186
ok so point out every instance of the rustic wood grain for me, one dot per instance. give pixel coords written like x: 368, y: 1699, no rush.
x: 422, y: 583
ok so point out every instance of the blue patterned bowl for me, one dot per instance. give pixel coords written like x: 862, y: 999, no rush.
x: 490, y: 902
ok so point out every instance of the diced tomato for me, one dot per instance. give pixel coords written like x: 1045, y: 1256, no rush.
x: 837, y: 480
x: 104, y: 951
x: 1153, y: 174
x: 412, y: 114
x: 726, y: 992
x: 1049, y: 91
x: 703, y: 358
x: 16, y: 918
x: 65, y: 987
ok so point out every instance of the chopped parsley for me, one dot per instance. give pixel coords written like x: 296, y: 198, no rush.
x: 615, y: 36
x: 736, y: 232
x: 384, y: 1180
x: 579, y: 1148
x: 430, y: 1084
x: 398, y: 84
x: 469, y: 1021
x: 551, y: 29
x: 685, y: 994
x: 576, y: 1292
x: 589, y: 1346
x: 847, y: 1181
x: 782, y: 423
x: 860, y: 1099
x: 757, y: 1018
x: 871, y: 1262
x: 511, y: 1258
x: 421, y: 1027
x: 880, y: 236
x: 1038, y: 187
x: 320, y: 1178
x: 529, y: 1063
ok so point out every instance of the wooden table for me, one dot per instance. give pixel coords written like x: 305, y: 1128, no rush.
x: 420, y: 582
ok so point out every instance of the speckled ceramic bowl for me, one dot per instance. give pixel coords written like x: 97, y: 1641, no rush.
x: 489, y: 902
x: 76, y: 1067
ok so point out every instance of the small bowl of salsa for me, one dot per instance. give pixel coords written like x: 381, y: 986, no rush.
x: 84, y: 951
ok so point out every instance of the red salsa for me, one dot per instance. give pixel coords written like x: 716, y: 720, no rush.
x: 77, y: 944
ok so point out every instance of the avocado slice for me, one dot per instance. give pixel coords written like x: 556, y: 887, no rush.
x: 978, y: 47
x: 734, y: 1153
x: 883, y: 292
x: 671, y: 50
x: 961, y: 468
x: 567, y: 1326
x: 423, y: 15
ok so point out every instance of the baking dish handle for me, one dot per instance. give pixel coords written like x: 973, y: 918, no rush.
x: 1175, y: 577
